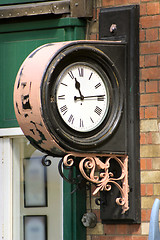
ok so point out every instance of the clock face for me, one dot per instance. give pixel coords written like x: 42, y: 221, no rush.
x: 82, y: 97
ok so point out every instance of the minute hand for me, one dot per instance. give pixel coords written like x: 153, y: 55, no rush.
x: 95, y: 96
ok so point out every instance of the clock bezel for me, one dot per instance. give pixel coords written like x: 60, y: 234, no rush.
x: 66, y: 137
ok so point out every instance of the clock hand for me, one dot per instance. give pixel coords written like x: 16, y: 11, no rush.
x: 97, y: 96
x: 77, y: 86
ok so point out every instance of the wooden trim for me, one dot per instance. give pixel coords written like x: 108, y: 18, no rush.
x: 32, y: 9
x: 10, y: 132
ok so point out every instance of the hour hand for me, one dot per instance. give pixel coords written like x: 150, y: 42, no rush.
x: 77, y: 86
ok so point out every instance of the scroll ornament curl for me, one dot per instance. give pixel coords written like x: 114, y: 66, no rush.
x: 89, y: 166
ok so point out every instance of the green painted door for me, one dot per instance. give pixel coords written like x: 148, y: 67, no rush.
x: 17, y: 40
x: 73, y: 210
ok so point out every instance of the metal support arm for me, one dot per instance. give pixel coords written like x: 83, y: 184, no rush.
x: 97, y: 171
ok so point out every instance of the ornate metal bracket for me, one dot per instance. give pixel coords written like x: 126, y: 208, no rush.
x: 97, y: 170
x: 45, y: 161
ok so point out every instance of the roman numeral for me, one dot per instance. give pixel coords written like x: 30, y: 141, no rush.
x: 90, y: 76
x: 91, y: 120
x: 98, y: 85
x: 98, y: 110
x: 61, y: 97
x: 81, y: 123
x: 64, y: 109
x: 71, y: 119
x: 80, y: 70
x: 71, y: 74
x: 64, y: 84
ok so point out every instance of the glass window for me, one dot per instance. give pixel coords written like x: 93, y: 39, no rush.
x: 37, y: 194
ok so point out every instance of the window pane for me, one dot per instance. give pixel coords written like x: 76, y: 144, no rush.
x: 37, y: 190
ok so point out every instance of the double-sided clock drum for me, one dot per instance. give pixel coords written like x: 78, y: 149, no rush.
x: 69, y: 97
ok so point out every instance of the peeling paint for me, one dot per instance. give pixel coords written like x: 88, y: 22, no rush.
x: 26, y: 102
x: 17, y: 108
x: 23, y: 84
x: 19, y: 80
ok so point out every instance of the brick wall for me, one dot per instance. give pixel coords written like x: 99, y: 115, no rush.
x: 149, y: 119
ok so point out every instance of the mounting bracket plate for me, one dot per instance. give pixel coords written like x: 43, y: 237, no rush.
x: 122, y: 24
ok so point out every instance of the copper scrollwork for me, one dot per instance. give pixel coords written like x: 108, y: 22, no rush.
x: 90, y: 166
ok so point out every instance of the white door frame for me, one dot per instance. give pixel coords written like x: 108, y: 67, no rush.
x: 2, y: 190
x: 7, y: 215
x: 6, y: 135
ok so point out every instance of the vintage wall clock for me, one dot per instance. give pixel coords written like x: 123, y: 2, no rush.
x: 79, y: 100
x: 70, y: 97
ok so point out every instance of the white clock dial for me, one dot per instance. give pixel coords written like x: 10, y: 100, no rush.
x: 82, y: 97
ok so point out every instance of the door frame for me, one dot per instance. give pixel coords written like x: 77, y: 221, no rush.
x: 6, y: 200
x: 74, y: 205
x: 7, y: 215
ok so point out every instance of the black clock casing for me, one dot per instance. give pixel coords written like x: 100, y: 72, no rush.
x: 109, y: 58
